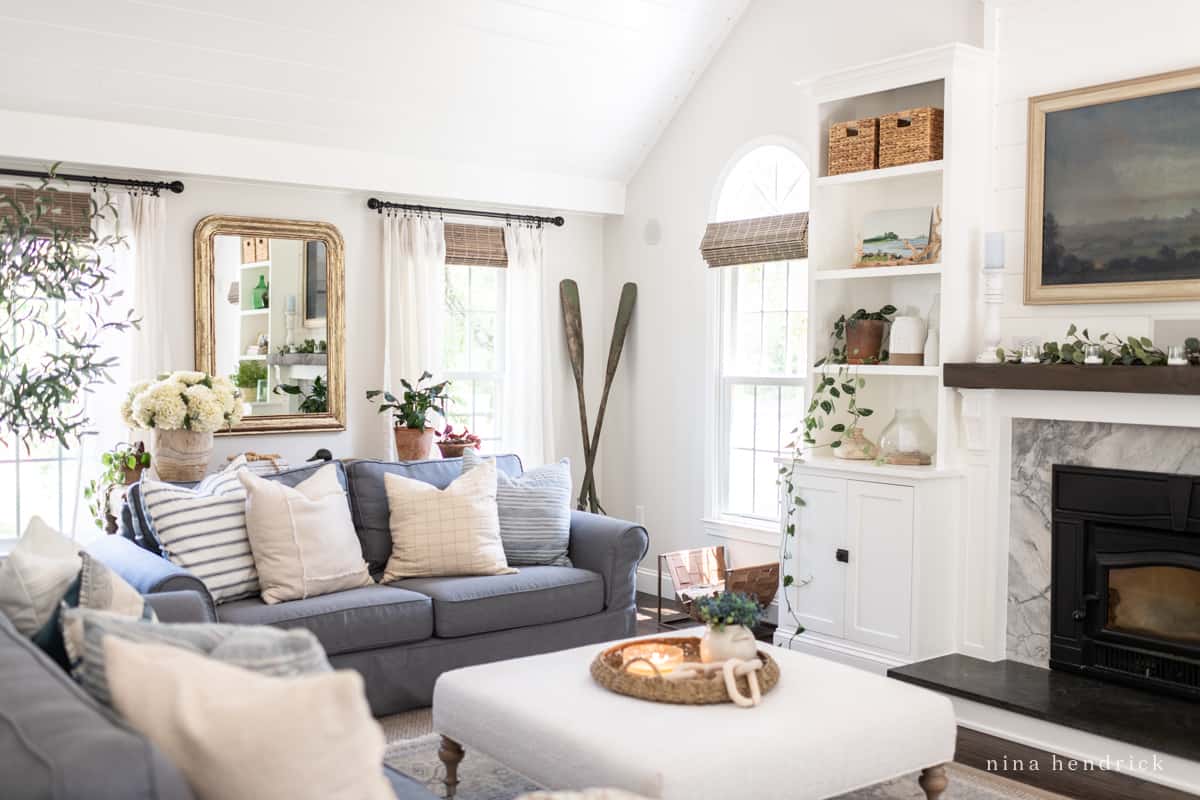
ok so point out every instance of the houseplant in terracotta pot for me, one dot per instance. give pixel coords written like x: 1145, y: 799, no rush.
x: 452, y: 443
x: 123, y: 466
x: 183, y: 409
x: 410, y: 414
x: 863, y: 332
x: 729, y: 617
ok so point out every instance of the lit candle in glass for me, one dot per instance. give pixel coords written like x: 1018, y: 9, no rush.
x: 1176, y: 357
x: 1091, y: 354
x: 645, y: 659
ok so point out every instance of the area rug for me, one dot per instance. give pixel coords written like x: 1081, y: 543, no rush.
x: 412, y: 749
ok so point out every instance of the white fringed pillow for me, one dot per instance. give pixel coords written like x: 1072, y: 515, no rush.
x: 302, y: 537
x: 451, y: 531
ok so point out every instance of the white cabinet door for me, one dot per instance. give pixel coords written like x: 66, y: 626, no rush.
x: 879, y: 572
x: 818, y: 594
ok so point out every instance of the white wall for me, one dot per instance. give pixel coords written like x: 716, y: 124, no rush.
x: 575, y: 250
x: 655, y: 440
x: 1067, y: 44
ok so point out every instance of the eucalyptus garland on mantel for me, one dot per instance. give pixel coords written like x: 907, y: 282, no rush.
x: 1132, y: 351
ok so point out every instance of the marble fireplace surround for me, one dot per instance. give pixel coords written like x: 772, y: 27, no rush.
x: 1036, y: 446
x: 1012, y: 438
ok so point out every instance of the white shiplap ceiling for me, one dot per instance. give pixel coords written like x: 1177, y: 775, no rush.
x: 570, y: 87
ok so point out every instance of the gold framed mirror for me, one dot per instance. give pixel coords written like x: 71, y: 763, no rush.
x: 270, y: 296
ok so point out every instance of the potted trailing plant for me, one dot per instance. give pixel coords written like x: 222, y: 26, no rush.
x: 315, y: 401
x: 183, y: 409
x: 729, y: 617
x: 122, y: 466
x: 45, y: 262
x: 411, y: 413
x: 858, y: 338
x: 453, y: 443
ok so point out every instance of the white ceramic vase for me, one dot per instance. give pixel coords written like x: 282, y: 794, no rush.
x: 731, y: 641
x: 181, y: 456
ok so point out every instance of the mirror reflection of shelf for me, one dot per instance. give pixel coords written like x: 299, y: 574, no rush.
x: 252, y: 312
x: 252, y: 358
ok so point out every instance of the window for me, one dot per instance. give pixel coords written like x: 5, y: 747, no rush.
x: 474, y: 348
x: 43, y: 481
x: 762, y: 361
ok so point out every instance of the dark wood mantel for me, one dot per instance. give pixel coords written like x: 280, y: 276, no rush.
x: 1074, y: 378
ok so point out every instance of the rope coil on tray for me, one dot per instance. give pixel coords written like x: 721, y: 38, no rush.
x: 694, y: 683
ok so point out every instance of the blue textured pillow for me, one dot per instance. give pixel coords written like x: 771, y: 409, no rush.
x: 535, y: 513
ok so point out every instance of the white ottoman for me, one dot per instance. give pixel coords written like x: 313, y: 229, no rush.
x: 825, y: 729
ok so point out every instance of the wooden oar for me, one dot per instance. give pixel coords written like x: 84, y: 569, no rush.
x: 568, y: 293
x: 620, y: 328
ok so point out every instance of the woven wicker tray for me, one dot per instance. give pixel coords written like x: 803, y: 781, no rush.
x: 608, y: 671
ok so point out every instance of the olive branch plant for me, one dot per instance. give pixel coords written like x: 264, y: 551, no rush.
x: 56, y: 306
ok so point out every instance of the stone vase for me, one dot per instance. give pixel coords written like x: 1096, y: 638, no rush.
x: 730, y: 641
x: 181, y: 456
x: 413, y: 444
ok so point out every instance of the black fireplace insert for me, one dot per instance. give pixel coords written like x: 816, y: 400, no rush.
x: 1125, y: 572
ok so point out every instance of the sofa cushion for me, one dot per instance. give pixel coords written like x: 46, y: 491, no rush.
x: 536, y: 595
x: 344, y: 622
x: 368, y: 498
x: 55, y: 741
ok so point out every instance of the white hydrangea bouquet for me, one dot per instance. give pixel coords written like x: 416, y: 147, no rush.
x: 183, y: 409
x: 192, y: 401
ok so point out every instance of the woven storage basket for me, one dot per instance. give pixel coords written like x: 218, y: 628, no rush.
x: 909, y: 137
x: 853, y: 146
x: 608, y: 671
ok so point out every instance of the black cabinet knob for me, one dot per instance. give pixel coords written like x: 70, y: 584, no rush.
x: 842, y: 555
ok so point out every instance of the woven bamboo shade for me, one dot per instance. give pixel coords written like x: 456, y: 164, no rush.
x: 71, y: 212
x: 754, y: 241
x: 475, y: 245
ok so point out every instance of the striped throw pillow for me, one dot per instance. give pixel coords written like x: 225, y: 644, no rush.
x: 535, y: 512
x: 203, y: 530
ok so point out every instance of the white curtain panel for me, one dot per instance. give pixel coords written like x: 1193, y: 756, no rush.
x: 153, y: 348
x: 414, y: 281
x: 527, y: 409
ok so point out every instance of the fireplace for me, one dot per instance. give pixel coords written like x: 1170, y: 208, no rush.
x: 1125, y: 577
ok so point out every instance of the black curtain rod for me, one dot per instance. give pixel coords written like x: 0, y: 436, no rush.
x: 175, y: 187
x: 375, y: 204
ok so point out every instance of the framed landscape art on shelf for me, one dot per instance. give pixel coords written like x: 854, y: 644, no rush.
x: 1113, y: 192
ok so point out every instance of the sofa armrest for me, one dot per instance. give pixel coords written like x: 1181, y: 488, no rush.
x: 147, y: 572
x: 614, y: 548
x: 183, y: 606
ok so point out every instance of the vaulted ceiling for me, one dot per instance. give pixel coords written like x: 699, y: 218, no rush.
x: 572, y: 87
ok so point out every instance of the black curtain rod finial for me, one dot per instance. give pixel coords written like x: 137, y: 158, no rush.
x: 96, y: 181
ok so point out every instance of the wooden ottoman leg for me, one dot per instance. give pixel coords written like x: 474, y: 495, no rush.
x: 451, y: 753
x: 934, y: 781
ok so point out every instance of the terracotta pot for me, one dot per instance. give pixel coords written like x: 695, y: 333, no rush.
x: 413, y: 444
x: 864, y: 340
x: 181, y: 456
x: 451, y: 450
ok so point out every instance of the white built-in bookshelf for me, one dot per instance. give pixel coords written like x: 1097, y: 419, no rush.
x: 955, y: 78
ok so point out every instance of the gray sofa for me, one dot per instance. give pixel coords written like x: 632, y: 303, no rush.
x: 401, y: 636
x: 57, y: 742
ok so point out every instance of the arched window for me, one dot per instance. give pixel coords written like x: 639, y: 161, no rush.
x: 762, y: 362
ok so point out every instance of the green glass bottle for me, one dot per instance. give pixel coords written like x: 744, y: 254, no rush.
x: 259, y: 294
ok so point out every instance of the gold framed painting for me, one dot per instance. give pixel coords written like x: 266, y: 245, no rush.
x: 1113, y: 192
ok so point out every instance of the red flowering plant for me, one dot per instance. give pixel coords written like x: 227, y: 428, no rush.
x: 466, y: 438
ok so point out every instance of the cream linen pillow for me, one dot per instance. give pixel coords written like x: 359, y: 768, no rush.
x: 35, y: 576
x: 435, y: 532
x: 302, y: 537
x: 234, y: 733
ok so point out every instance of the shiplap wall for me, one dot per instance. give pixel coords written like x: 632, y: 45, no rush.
x: 1050, y: 46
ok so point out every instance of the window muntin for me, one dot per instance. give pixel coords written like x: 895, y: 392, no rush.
x: 474, y: 348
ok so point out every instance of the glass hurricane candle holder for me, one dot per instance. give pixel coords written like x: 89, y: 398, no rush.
x: 1029, y: 354
x: 1176, y: 357
x: 907, y: 440
x: 1091, y: 354
x: 652, y: 658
